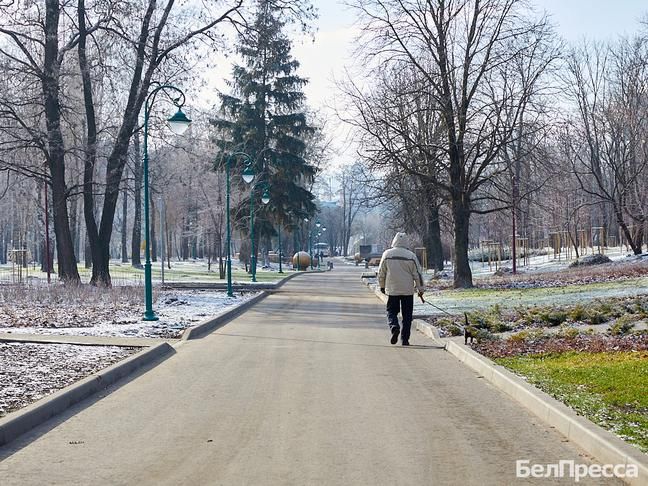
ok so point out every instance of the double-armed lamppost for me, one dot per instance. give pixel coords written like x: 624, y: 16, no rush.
x: 248, y: 177
x: 306, y: 220
x: 178, y: 124
x: 228, y: 163
x: 279, y: 237
x: 319, y: 234
x: 265, y: 199
x: 310, y: 242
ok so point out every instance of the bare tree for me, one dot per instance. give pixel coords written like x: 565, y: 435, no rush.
x: 607, y: 137
x: 400, y: 132
x: 459, y: 49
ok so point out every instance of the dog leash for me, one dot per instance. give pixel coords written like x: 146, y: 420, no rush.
x: 435, y: 306
x: 467, y: 324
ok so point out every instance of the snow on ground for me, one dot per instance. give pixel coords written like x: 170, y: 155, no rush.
x: 29, y: 372
x: 122, y: 317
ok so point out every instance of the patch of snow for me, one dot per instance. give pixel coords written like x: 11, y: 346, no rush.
x: 29, y: 372
x: 177, y: 310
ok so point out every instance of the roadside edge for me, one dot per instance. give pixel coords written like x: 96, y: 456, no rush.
x: 29, y: 417
x: 593, y: 439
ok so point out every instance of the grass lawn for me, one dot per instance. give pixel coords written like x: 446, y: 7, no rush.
x: 607, y: 388
x: 461, y: 300
x: 185, y: 272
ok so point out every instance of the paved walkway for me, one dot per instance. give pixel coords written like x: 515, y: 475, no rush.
x: 302, y: 389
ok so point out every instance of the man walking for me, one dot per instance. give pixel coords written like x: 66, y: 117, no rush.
x: 399, y: 276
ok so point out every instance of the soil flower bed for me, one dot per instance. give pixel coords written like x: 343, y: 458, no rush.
x: 623, y: 313
x: 607, y: 387
x: 539, y: 345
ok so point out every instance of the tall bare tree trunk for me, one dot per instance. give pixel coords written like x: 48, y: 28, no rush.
x: 434, y: 246
x: 67, y: 268
x: 124, y: 225
x: 136, y: 238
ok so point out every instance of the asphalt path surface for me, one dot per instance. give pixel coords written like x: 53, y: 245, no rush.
x: 302, y: 389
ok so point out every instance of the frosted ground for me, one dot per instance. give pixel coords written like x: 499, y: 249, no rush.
x: 554, y: 284
x: 116, y: 312
x: 30, y: 371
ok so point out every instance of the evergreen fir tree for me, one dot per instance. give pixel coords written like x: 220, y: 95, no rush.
x: 265, y: 118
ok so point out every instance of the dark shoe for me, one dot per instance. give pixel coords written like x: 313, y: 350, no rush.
x: 405, y: 343
x: 395, y: 332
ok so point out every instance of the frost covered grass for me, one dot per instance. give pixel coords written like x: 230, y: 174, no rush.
x: 58, y: 306
x: 124, y: 274
x: 478, y: 299
x: 61, y: 294
x: 29, y: 372
x: 608, y: 388
x: 88, y: 311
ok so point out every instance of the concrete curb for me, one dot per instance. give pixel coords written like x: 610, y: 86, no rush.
x: 600, y: 443
x: 209, y: 325
x: 21, y: 421
x: 430, y: 331
x: 17, y: 423
x: 382, y: 297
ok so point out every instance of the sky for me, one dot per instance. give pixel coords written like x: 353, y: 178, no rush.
x: 324, y: 59
x: 326, y: 54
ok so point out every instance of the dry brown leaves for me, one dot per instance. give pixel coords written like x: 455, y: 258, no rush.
x: 582, y: 343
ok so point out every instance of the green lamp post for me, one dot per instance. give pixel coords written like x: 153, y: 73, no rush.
x: 279, y: 237
x: 265, y: 199
x: 228, y: 163
x: 318, y: 247
x: 317, y: 226
x: 178, y: 124
x: 310, y: 246
x: 319, y: 234
x: 248, y: 177
x: 301, y: 242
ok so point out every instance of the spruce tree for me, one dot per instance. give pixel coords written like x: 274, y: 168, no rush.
x: 265, y: 117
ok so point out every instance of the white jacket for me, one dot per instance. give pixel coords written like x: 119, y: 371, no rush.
x: 399, y: 272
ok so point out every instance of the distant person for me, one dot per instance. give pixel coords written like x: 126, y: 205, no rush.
x: 400, y: 276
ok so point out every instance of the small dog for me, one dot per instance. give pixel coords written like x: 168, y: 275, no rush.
x: 469, y: 331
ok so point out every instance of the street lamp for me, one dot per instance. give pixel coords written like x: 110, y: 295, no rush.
x: 319, y: 248
x: 228, y: 163
x: 248, y: 173
x: 265, y: 197
x: 248, y: 177
x: 178, y: 124
x: 301, y: 234
x: 310, y: 246
x: 319, y: 251
x: 279, y: 236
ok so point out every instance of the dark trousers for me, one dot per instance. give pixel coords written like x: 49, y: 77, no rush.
x: 404, y: 304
